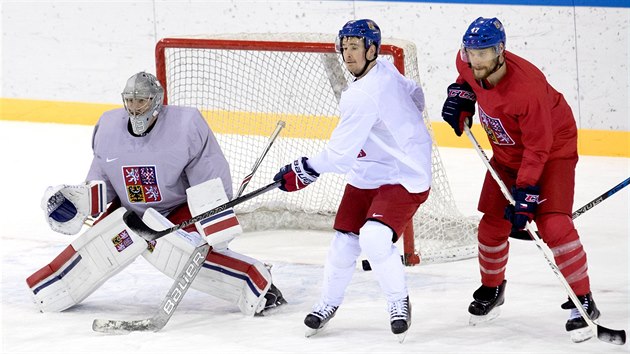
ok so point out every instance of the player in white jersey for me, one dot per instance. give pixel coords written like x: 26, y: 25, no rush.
x: 383, y: 146
x: 162, y: 162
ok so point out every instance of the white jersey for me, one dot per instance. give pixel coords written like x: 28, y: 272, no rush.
x: 155, y: 170
x: 381, y: 137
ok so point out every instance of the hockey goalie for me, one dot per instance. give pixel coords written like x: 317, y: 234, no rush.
x: 164, y: 163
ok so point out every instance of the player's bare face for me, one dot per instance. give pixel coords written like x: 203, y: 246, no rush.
x: 483, y: 62
x: 353, y: 54
x: 137, y: 106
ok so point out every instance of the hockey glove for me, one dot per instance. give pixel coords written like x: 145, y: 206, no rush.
x: 296, y: 175
x: 526, y: 201
x: 67, y: 206
x: 459, y: 107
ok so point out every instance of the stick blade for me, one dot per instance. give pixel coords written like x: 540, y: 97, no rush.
x: 611, y: 335
x: 123, y: 327
x: 135, y: 223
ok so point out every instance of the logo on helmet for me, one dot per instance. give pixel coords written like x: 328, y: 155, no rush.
x: 364, y: 28
x: 484, y: 33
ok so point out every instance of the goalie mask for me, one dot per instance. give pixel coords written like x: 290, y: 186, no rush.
x: 142, y: 97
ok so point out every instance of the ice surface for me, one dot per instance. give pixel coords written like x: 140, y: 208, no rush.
x: 34, y: 156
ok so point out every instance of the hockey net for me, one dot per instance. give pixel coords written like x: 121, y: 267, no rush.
x: 244, y: 84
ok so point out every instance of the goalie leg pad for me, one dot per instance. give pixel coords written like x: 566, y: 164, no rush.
x: 236, y: 278
x: 91, y: 259
x: 225, y: 274
x: 170, y: 253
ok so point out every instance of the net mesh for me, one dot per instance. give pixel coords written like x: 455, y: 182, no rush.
x: 245, y: 84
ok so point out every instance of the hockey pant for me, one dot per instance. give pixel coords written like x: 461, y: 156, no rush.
x: 552, y: 218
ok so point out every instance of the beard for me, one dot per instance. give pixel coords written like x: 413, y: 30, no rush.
x: 482, y: 73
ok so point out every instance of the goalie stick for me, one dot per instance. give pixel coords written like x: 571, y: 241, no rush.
x: 272, y: 138
x: 604, y: 334
x: 523, y: 235
x: 168, y: 305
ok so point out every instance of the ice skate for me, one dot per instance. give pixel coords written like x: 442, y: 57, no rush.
x: 576, y: 325
x: 400, y: 317
x: 486, y: 305
x: 318, y: 318
x: 274, y: 300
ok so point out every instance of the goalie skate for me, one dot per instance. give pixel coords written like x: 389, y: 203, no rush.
x: 274, y: 299
x: 485, y: 307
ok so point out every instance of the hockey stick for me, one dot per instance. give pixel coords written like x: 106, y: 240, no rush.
x: 601, y: 198
x: 272, y: 138
x: 523, y: 235
x: 604, y: 334
x: 135, y: 223
x: 168, y: 305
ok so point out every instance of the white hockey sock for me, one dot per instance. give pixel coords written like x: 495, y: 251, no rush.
x: 384, y: 258
x: 340, y: 265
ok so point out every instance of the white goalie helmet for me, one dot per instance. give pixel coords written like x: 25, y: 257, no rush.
x: 142, y: 97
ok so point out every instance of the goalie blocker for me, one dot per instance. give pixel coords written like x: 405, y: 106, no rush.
x: 109, y: 246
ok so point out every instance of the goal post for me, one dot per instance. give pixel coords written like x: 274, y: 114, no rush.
x: 244, y: 83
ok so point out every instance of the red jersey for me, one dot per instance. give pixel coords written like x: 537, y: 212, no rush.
x: 527, y: 121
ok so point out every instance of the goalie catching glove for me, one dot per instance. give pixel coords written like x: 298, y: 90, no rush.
x: 296, y: 175
x: 67, y: 206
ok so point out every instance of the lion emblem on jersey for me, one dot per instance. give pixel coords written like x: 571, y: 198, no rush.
x: 494, y: 128
x: 141, y: 184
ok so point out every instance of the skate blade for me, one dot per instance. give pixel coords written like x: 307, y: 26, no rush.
x: 581, y: 334
x: 402, y: 336
x: 311, y: 332
x: 476, y: 320
x: 271, y: 310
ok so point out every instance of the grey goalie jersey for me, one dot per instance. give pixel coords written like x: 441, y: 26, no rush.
x: 154, y: 170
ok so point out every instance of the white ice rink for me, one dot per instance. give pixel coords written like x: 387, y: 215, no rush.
x: 34, y: 156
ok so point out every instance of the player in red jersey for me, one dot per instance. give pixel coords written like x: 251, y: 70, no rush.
x: 534, y: 143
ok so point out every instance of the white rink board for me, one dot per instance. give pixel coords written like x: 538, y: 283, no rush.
x: 86, y: 50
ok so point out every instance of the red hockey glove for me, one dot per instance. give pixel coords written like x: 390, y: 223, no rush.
x: 459, y: 106
x: 526, y: 200
x: 296, y: 175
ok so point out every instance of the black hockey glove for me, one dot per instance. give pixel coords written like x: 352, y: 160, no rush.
x: 459, y: 106
x: 526, y: 200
